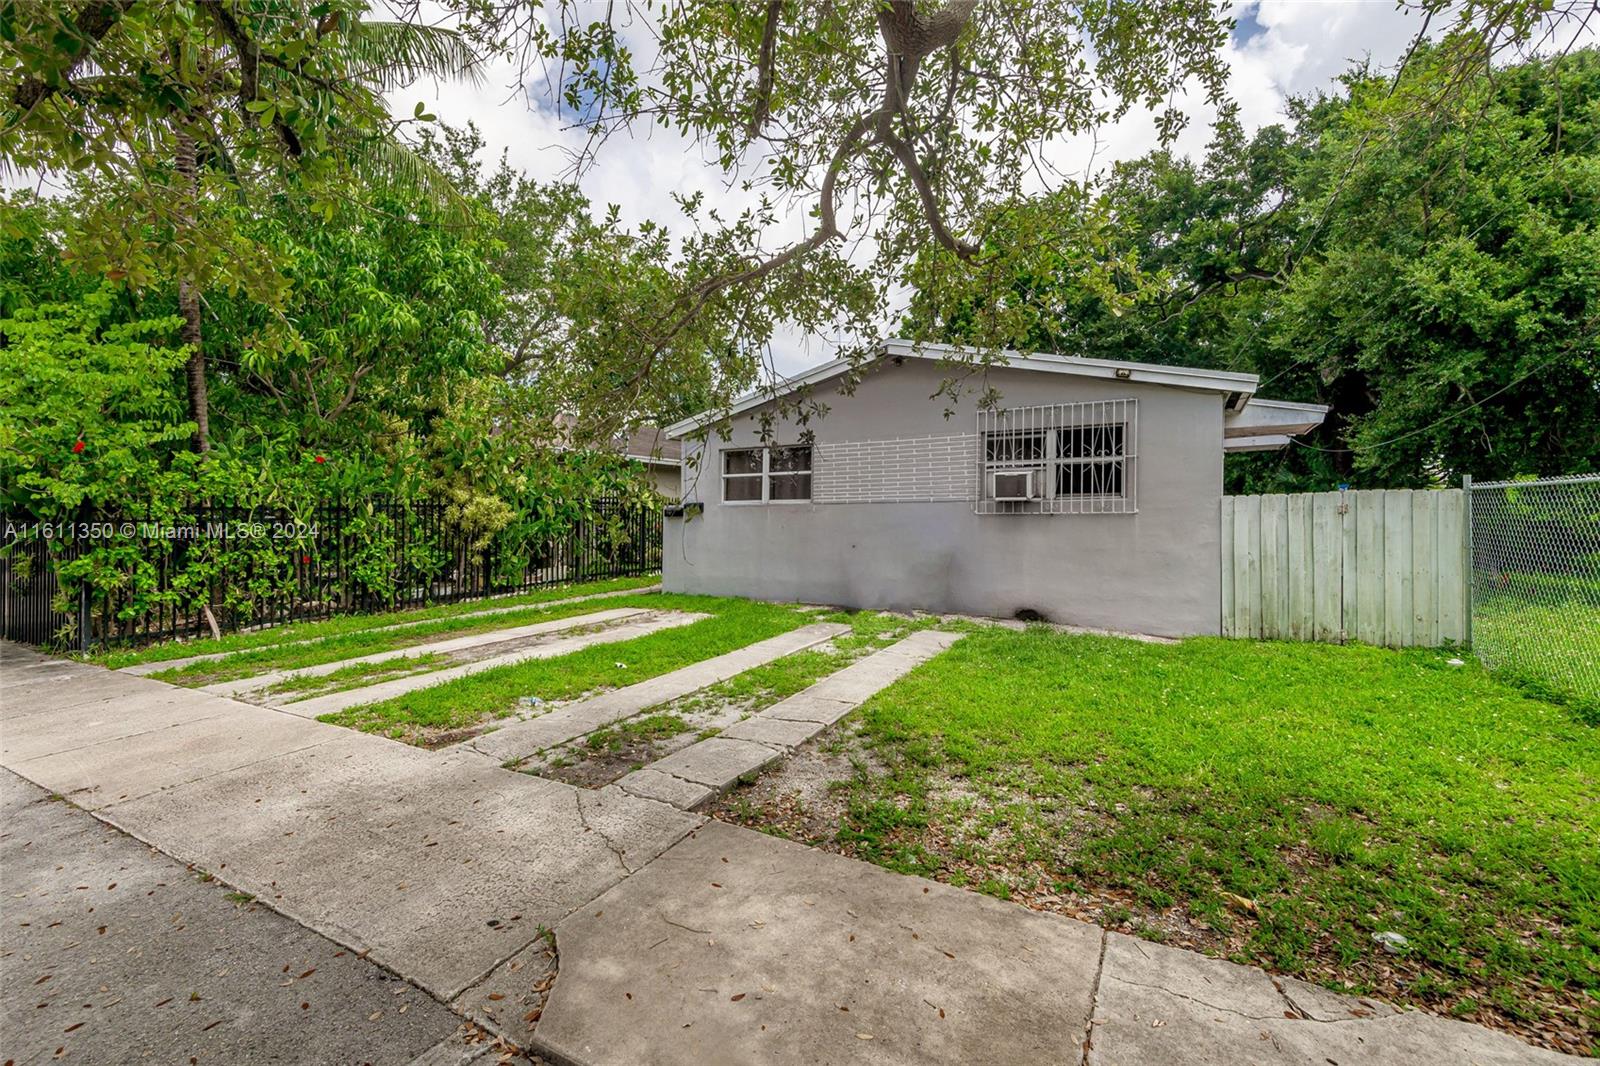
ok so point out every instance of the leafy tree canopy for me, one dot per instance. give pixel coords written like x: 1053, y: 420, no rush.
x: 1423, y: 255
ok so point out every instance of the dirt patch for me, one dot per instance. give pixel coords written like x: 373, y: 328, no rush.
x: 806, y: 796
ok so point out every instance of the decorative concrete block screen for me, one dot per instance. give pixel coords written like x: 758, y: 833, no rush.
x: 1383, y: 567
x: 908, y: 470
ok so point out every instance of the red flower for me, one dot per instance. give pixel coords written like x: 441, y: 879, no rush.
x: 320, y: 459
x: 77, y: 447
x: 305, y: 558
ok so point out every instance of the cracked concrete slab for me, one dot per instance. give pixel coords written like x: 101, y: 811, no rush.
x: 664, y: 788
x: 508, y: 1001
x: 804, y: 707
x: 113, y: 953
x: 774, y: 732
x: 736, y: 947
x: 138, y: 669
x: 521, y: 739
x: 1164, y: 1004
x: 750, y: 746
x: 339, y: 701
x: 441, y: 866
x: 718, y: 762
x: 438, y: 647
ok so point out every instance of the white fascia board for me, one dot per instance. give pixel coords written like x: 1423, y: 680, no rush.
x: 756, y: 398
x: 1183, y: 377
x: 1272, y: 442
x: 1237, y: 388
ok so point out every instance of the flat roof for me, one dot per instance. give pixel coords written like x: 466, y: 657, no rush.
x: 1237, y: 387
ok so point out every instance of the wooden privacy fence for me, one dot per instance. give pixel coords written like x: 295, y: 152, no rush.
x: 1379, y: 566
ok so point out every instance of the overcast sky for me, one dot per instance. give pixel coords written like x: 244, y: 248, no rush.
x: 1280, y: 49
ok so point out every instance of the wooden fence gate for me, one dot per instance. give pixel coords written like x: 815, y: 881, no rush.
x: 1379, y: 566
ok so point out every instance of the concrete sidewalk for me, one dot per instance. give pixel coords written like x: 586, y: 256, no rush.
x: 114, y: 953
x: 680, y: 940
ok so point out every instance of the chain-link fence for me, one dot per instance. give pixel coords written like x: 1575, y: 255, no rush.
x: 1536, y: 582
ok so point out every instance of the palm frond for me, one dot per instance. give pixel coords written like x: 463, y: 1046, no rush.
x: 390, y: 55
x: 388, y: 164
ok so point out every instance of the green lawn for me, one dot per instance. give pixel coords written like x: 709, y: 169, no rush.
x: 379, y: 638
x: 119, y: 657
x: 1545, y: 633
x: 1278, y: 803
x: 492, y: 694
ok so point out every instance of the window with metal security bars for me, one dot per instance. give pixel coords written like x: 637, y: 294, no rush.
x: 766, y: 475
x: 1065, y: 458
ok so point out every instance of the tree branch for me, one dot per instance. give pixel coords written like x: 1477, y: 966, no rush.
x: 762, y: 107
x: 349, y: 393
x: 92, y: 23
x: 827, y: 229
x: 249, y: 70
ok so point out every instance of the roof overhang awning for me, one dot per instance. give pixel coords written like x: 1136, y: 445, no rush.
x: 1268, y: 425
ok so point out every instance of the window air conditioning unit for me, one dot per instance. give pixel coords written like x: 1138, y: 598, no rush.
x: 1014, y: 486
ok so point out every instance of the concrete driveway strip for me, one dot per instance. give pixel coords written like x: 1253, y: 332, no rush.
x: 1158, y: 1004
x: 438, y: 647
x: 172, y: 664
x: 738, y: 948
x: 112, y: 953
x: 711, y: 767
x: 521, y: 739
x: 339, y: 701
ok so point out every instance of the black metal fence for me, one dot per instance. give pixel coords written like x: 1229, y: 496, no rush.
x: 100, y: 579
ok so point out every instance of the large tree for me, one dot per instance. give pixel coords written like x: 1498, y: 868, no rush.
x: 915, y: 138
x: 180, y: 108
x: 1431, y: 273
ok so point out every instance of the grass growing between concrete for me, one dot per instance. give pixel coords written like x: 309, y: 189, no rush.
x: 371, y: 641
x: 756, y: 689
x: 117, y: 658
x: 472, y: 701
x: 358, y: 675
x: 1279, y: 804
x: 608, y: 754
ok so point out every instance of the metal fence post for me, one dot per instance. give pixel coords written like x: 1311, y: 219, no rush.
x: 83, y: 617
x: 1468, y: 572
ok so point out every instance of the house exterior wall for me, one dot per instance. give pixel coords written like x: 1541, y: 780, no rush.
x: 891, y: 522
x: 665, y: 478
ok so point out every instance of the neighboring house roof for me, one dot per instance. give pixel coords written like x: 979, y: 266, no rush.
x: 646, y: 444
x: 1247, y: 418
x: 650, y: 444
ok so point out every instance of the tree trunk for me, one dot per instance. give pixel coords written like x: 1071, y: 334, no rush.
x: 189, y: 298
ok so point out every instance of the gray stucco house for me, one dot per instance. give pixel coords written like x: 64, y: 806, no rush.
x: 1090, y: 494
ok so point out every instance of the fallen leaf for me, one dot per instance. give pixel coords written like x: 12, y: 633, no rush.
x: 1241, y: 903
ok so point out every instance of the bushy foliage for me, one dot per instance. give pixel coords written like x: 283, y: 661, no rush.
x: 1423, y: 256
